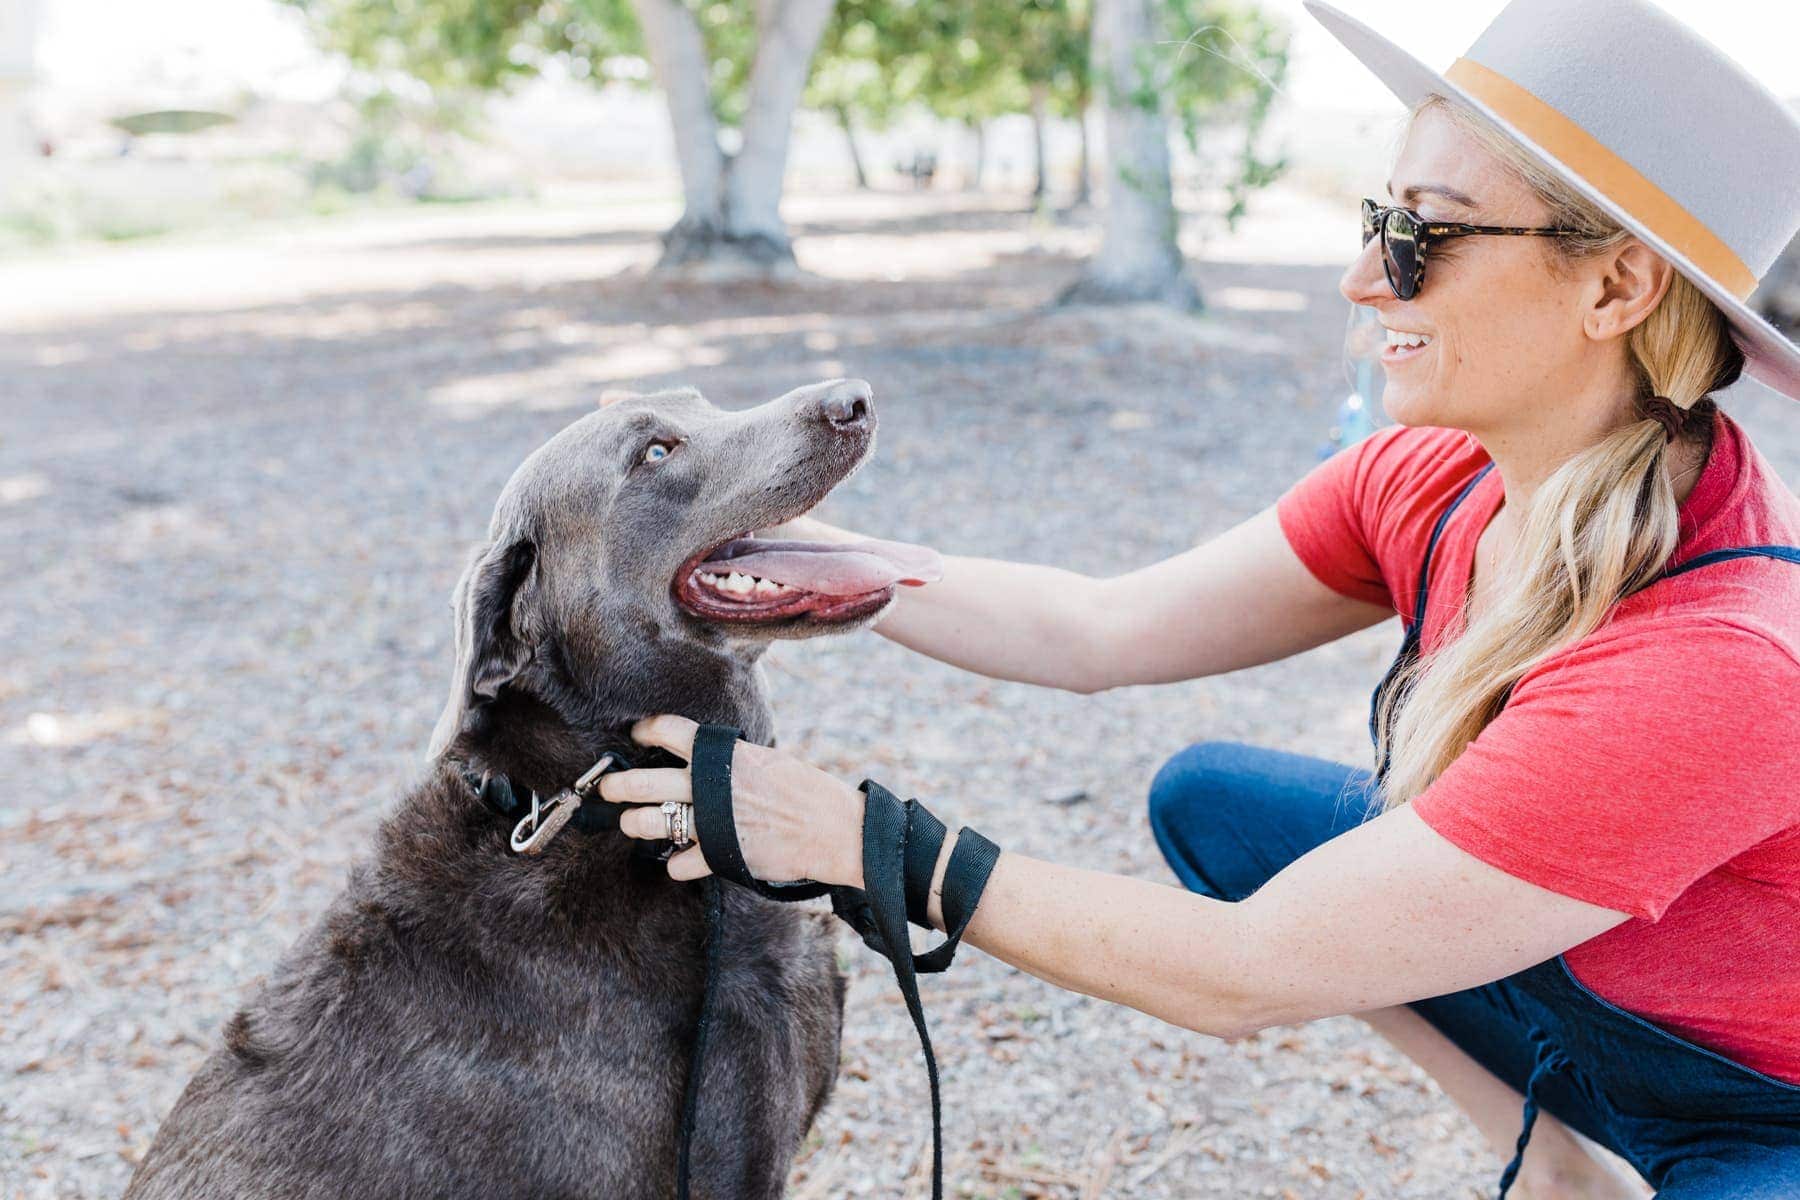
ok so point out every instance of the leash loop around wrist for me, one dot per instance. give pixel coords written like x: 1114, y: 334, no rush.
x: 715, y: 824
x: 902, y: 841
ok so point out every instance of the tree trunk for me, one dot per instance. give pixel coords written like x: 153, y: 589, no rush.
x: 731, y: 221
x: 1040, y: 116
x: 1084, y: 186
x: 18, y: 64
x: 1139, y: 257
x: 678, y: 53
x: 787, y: 33
x: 843, y: 116
x: 972, y: 181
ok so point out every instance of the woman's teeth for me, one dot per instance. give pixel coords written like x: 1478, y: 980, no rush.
x: 1399, y: 340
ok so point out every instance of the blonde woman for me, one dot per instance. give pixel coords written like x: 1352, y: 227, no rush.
x: 1572, y: 884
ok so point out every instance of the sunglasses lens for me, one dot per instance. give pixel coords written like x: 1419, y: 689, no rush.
x: 1369, y: 228
x: 1400, y: 253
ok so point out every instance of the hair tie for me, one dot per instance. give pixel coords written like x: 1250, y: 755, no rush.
x: 1664, y: 411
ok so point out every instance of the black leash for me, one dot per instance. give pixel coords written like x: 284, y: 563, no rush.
x: 901, y: 844
x: 690, y: 1100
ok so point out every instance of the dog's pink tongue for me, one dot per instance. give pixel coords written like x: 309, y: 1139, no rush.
x: 839, y: 568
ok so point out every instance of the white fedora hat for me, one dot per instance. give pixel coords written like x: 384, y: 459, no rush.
x: 1647, y: 119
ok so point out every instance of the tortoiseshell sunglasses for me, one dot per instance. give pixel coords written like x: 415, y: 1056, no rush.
x: 1405, y: 237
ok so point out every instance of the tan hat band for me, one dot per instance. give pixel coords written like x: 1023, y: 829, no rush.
x: 1611, y: 175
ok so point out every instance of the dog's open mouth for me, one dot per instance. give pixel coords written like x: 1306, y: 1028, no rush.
x: 758, y: 579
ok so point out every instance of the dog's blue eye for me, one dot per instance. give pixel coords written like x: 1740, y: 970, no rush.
x: 656, y: 452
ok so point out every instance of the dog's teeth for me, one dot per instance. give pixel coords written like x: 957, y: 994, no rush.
x: 740, y: 584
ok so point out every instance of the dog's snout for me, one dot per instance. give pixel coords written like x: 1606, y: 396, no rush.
x: 847, y: 404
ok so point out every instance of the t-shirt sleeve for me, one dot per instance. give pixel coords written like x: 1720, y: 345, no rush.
x: 1327, y: 520
x: 1622, y: 771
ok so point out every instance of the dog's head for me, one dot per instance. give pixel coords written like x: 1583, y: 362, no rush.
x: 621, y: 573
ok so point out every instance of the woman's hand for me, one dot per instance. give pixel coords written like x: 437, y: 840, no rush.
x: 806, y: 528
x: 794, y: 821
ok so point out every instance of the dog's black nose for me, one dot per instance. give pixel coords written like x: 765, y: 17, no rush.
x: 847, y: 404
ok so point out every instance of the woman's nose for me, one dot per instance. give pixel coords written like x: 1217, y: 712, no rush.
x: 1363, y: 282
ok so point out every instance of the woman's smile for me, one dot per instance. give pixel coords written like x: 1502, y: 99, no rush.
x: 1403, y: 348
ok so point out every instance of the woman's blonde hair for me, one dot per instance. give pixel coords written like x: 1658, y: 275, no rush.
x: 1599, y: 528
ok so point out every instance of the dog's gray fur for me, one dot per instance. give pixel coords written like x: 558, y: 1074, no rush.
x: 466, y: 1022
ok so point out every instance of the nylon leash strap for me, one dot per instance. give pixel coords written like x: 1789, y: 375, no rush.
x: 901, y: 844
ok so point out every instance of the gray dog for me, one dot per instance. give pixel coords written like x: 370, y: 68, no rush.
x: 464, y: 1021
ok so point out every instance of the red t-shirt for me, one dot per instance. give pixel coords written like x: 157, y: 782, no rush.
x: 1652, y: 768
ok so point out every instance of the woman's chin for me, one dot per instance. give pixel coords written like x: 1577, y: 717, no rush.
x: 1408, y: 406
x: 1397, y: 409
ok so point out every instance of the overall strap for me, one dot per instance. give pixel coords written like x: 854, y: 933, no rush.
x: 1547, y: 1060
x: 1431, y: 547
x: 1783, y: 553
x: 1409, y: 641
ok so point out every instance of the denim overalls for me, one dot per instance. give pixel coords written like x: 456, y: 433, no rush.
x: 1692, y: 1121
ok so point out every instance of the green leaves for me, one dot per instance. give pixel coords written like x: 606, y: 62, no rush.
x: 474, y: 45
x: 967, y: 61
x: 1215, y: 68
x: 1220, y: 69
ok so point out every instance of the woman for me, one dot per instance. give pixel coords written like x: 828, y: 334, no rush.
x: 1588, y: 744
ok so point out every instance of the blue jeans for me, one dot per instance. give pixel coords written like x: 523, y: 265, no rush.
x: 1695, y: 1124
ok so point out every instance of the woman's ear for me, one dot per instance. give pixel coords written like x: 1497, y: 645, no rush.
x: 1630, y: 282
x: 493, y: 644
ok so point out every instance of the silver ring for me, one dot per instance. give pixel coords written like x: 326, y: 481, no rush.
x: 678, y: 822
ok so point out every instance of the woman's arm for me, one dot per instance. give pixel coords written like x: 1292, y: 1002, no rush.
x: 1005, y: 620
x: 1241, y: 599
x: 1387, y: 913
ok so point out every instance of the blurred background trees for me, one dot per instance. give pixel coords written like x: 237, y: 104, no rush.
x: 732, y: 74
x: 1225, y: 69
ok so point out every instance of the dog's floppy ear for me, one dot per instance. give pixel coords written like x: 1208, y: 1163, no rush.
x: 493, y: 644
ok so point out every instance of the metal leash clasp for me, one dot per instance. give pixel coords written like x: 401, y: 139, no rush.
x: 540, y: 826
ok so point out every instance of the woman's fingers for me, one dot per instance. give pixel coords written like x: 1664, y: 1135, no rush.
x: 650, y: 788
x: 647, y: 785
x: 777, y: 803
x: 648, y: 824
x: 689, y: 864
x: 673, y: 733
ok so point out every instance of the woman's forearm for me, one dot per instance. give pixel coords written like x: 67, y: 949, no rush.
x: 1158, y: 949
x: 1019, y: 621
x: 1387, y: 912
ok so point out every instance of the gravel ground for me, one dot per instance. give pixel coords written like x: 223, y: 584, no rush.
x: 236, y: 482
